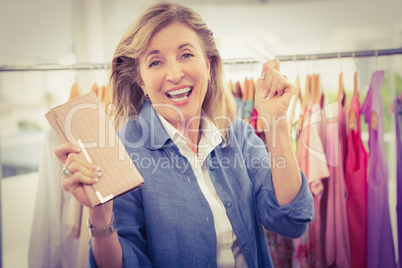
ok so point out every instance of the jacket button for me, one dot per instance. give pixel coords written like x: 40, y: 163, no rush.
x: 245, y: 248
x: 228, y: 204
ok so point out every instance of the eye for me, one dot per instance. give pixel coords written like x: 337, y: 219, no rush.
x: 154, y: 63
x: 187, y: 55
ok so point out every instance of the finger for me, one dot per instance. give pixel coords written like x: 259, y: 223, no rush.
x: 265, y: 76
x: 63, y: 150
x: 275, y: 86
x: 85, y: 169
x: 79, y: 158
x: 290, y: 91
x: 75, y: 180
x: 267, y: 85
x: 272, y: 64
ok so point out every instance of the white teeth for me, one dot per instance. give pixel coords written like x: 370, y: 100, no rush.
x: 180, y: 99
x: 179, y: 91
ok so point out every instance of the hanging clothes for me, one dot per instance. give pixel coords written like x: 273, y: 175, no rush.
x: 380, y: 247
x: 337, y: 246
x: 311, y: 157
x: 398, y: 124
x: 248, y: 107
x: 280, y: 248
x: 303, y: 248
x: 356, y: 183
x: 59, y: 237
x: 50, y: 245
x: 318, y: 170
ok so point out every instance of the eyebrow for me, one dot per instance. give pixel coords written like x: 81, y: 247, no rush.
x: 156, y: 51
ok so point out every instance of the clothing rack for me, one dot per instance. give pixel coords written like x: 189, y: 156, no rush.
x: 282, y: 58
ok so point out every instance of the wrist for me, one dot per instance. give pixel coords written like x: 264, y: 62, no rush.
x: 101, y: 232
x: 275, y: 124
x: 100, y: 215
x: 277, y: 134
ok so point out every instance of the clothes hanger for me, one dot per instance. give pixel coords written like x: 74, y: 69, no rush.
x: 297, y: 98
x: 356, y: 84
x: 316, y: 96
x: 251, y: 89
x: 318, y: 92
x: 352, y: 118
x: 374, y: 116
x: 356, y: 78
x: 245, y: 90
x: 237, y: 92
x: 313, y: 84
x: 75, y: 91
x: 106, y: 97
x: 341, y: 89
x: 304, y: 103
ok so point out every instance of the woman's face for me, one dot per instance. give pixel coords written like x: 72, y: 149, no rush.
x: 174, y: 73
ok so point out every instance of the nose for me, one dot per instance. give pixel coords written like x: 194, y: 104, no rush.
x: 174, y: 72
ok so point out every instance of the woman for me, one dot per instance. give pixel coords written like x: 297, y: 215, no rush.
x: 208, y: 180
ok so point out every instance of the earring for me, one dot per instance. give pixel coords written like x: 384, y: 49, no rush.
x: 146, y: 95
x: 209, y: 79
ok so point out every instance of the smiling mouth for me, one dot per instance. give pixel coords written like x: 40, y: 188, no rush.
x: 180, y: 94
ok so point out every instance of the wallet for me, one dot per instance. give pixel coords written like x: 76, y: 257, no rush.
x: 84, y: 123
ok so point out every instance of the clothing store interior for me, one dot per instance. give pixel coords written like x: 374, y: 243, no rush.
x: 344, y: 56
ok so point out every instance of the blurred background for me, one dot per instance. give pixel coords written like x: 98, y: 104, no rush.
x: 55, y: 33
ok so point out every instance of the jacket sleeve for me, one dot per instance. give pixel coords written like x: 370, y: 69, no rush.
x: 131, y: 230
x: 288, y: 220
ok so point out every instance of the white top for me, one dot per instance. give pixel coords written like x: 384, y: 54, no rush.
x: 50, y: 245
x: 228, y: 253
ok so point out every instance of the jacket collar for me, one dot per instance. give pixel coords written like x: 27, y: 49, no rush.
x: 157, y: 135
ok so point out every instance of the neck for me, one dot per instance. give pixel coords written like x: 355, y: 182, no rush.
x: 192, y: 132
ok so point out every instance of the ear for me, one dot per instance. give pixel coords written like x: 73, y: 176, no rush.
x: 141, y: 83
x: 208, y: 63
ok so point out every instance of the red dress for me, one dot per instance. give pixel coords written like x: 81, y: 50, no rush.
x: 356, y: 183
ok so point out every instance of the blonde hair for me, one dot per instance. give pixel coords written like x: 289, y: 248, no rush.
x: 128, y: 97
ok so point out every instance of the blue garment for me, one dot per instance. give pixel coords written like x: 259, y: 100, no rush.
x: 168, y: 222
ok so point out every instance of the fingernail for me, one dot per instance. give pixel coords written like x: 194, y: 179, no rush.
x: 263, y: 75
x: 97, y: 174
x: 95, y: 179
x: 96, y: 168
x: 78, y: 149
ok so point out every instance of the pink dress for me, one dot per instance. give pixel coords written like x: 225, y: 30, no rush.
x: 312, y: 160
x: 380, y: 246
x: 356, y: 182
x: 318, y: 170
x: 337, y: 246
x: 303, y: 254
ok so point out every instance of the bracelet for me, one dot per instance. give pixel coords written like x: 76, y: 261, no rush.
x: 102, y: 232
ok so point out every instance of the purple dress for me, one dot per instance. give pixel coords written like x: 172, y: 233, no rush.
x: 380, y: 246
x: 398, y: 123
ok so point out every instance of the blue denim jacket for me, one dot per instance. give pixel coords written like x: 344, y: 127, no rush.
x: 168, y: 222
